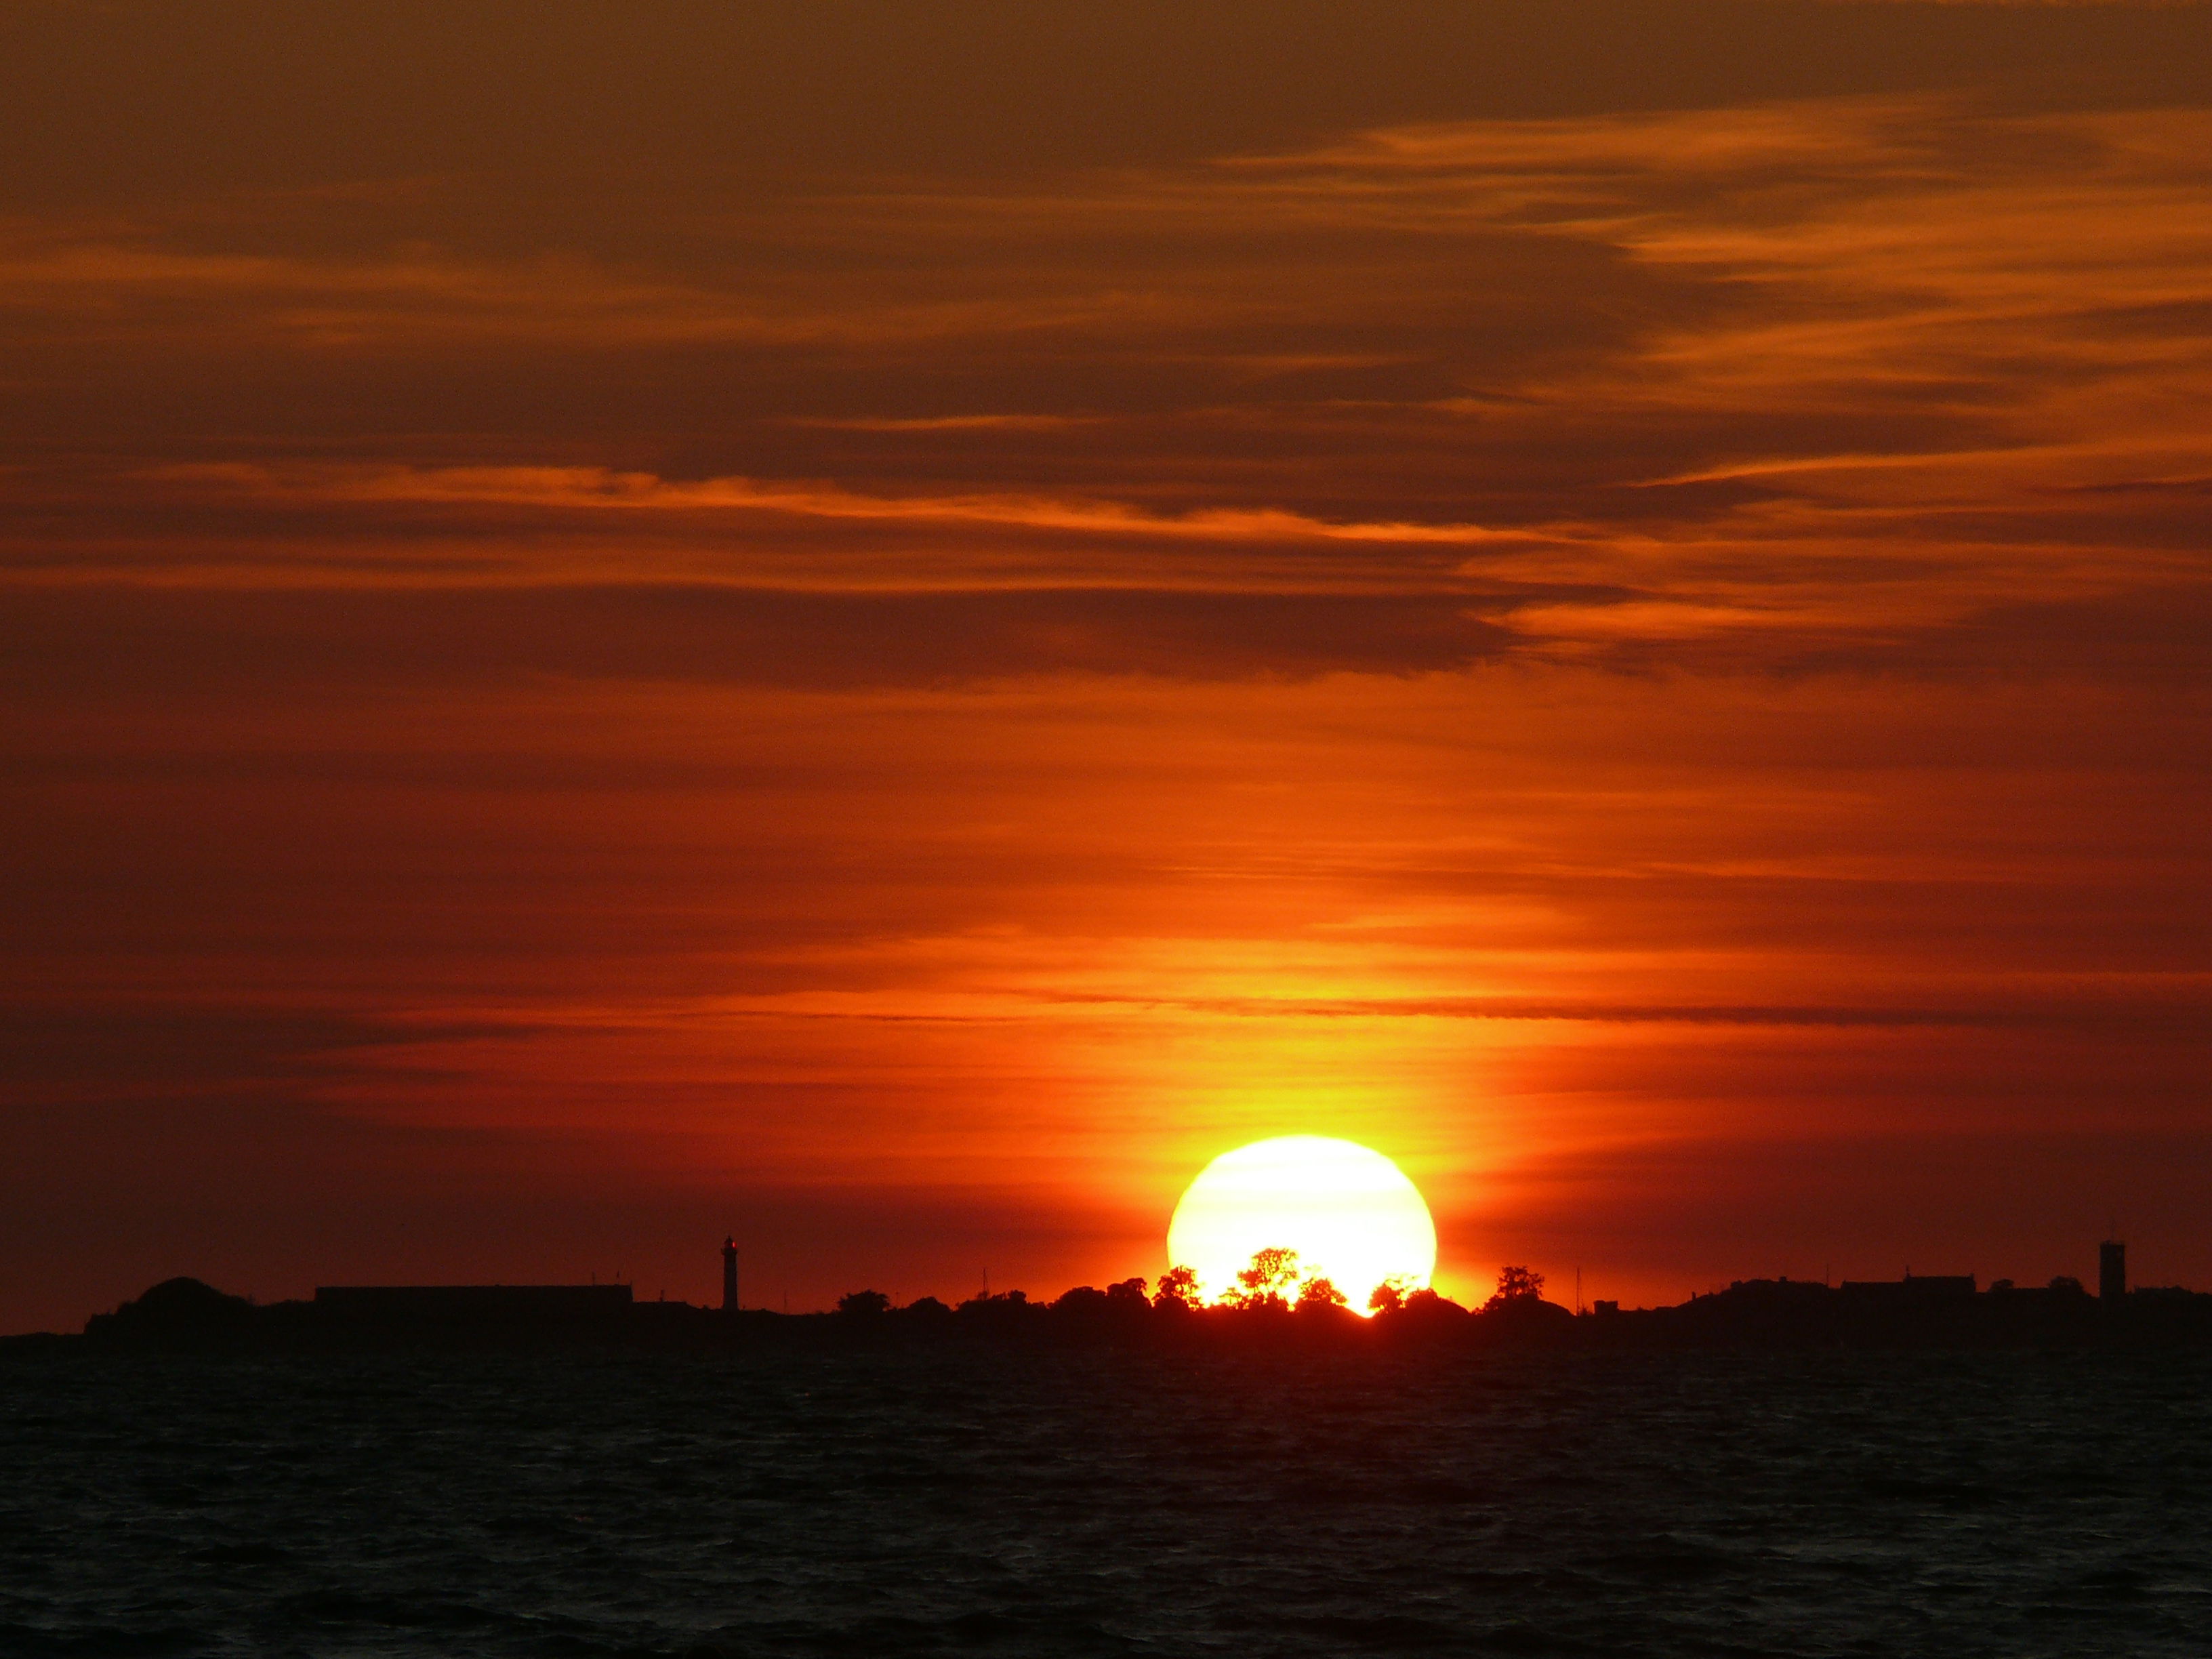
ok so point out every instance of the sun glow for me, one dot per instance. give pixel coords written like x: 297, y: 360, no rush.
x: 1350, y: 1213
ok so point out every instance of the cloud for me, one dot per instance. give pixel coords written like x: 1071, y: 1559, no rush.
x: 83, y: 640
x: 598, y: 488
x: 1512, y: 616
x: 2102, y: 1014
x: 1790, y: 383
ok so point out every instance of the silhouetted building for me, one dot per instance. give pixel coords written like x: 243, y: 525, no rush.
x: 2112, y: 1271
x: 729, y: 1275
x: 1778, y: 1292
x: 1913, y: 1291
x: 476, y: 1304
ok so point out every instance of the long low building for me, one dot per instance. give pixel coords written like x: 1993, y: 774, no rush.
x: 457, y: 1302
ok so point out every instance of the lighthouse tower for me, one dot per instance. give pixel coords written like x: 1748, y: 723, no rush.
x: 729, y: 1275
x: 2111, y: 1273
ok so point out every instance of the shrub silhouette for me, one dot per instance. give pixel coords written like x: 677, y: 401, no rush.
x: 864, y: 1304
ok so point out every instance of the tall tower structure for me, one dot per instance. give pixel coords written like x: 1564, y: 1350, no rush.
x: 2112, y: 1271
x: 729, y: 1275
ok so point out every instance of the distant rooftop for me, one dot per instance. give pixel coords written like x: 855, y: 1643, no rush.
x: 459, y: 1301
x: 1912, y: 1284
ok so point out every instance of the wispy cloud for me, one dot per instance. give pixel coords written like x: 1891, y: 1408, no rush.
x: 598, y: 488
x: 1791, y: 377
x: 1517, y: 638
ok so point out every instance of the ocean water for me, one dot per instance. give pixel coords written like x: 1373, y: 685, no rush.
x: 1010, y: 1502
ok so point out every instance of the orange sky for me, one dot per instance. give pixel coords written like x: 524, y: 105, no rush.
x: 887, y: 626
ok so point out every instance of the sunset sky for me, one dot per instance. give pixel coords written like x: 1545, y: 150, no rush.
x: 886, y: 625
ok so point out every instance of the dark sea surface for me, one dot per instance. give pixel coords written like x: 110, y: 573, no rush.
x: 1006, y: 1502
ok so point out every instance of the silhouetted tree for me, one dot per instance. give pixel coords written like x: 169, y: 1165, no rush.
x: 1422, y: 1309
x: 1273, y: 1271
x: 1178, y: 1289
x: 1317, y: 1292
x: 999, y: 1299
x: 2066, y: 1284
x: 1390, y: 1295
x: 864, y: 1304
x: 1127, y: 1291
x: 176, y: 1311
x: 1005, y: 1308
x: 1516, y: 1285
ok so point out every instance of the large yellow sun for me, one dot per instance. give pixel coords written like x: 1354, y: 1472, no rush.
x: 1348, y: 1211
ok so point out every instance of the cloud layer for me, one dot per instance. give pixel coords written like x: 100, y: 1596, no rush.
x: 906, y: 688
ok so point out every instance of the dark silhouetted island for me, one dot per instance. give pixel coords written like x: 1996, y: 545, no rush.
x: 1269, y: 1310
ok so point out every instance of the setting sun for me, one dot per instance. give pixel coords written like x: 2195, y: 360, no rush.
x: 1350, y: 1213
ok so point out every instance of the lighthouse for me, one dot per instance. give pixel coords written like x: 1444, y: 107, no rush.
x: 729, y: 1275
